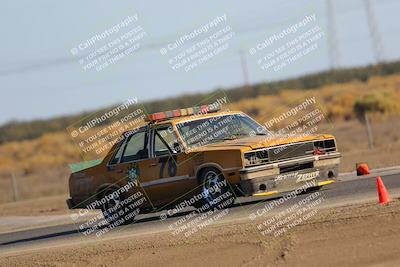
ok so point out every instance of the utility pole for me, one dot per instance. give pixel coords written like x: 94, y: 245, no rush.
x: 15, y: 187
x: 245, y: 71
x: 369, y: 131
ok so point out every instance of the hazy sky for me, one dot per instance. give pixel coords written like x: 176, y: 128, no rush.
x: 41, y: 78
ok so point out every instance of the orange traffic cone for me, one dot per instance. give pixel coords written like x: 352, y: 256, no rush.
x: 383, y: 194
x: 362, y: 169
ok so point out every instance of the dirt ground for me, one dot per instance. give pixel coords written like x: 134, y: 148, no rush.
x: 52, y: 205
x: 358, y: 235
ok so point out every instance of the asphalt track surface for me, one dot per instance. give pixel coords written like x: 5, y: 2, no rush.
x: 349, y: 189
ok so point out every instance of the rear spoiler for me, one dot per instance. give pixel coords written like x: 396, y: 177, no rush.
x: 76, y: 167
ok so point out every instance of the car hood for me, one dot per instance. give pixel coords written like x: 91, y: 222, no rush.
x: 260, y: 141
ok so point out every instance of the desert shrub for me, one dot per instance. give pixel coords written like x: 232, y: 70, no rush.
x: 376, y: 101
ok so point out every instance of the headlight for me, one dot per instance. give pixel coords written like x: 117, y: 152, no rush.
x: 255, y: 158
x: 327, y: 145
x: 251, y: 159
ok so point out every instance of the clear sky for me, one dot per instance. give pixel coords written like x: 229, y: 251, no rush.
x: 41, y: 78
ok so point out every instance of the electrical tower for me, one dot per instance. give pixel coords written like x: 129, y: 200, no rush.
x: 332, y: 35
x: 377, y: 45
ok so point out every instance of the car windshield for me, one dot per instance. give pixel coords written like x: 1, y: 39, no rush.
x: 217, y: 129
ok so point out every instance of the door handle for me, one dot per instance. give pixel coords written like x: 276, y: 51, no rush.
x: 118, y: 171
x: 153, y: 164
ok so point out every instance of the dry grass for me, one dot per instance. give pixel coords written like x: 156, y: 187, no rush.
x: 337, y: 100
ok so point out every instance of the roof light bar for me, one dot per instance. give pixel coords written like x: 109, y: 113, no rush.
x: 198, y: 110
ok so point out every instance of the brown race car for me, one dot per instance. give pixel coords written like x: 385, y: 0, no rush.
x: 200, y: 157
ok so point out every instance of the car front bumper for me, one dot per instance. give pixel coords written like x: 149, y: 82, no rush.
x: 288, y: 175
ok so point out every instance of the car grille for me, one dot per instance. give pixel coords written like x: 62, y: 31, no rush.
x: 283, y: 152
x: 290, y: 151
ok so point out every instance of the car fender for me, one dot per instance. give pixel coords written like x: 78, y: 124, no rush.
x: 206, y: 165
x: 104, y: 186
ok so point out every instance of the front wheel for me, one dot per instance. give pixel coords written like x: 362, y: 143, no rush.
x: 216, y: 191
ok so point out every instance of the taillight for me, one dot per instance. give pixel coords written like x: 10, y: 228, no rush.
x: 318, y: 152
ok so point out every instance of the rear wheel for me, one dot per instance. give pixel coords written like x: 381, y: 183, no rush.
x: 113, y: 209
x: 216, y: 192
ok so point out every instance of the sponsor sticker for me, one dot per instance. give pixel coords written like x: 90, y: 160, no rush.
x: 307, y: 176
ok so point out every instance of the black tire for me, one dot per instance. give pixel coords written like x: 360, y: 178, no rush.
x: 313, y: 189
x: 113, y: 210
x: 216, y: 192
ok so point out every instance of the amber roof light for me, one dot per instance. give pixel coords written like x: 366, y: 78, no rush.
x: 176, y: 113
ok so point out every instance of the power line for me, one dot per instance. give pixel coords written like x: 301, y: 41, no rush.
x: 333, y: 50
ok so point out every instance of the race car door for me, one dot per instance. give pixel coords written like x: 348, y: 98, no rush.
x: 131, y: 162
x: 174, y: 172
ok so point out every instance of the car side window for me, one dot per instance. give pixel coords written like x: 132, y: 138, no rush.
x: 165, y: 142
x: 118, y: 155
x: 136, y: 147
x: 160, y: 148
